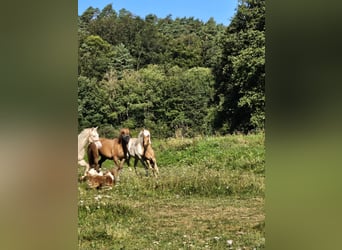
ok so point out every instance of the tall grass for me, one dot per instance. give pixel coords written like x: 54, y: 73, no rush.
x: 210, y: 190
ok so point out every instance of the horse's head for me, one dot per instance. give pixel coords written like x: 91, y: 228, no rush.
x: 124, y: 135
x: 93, y: 135
x: 146, y: 137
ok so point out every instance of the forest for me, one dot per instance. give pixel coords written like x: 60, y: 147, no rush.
x: 174, y: 76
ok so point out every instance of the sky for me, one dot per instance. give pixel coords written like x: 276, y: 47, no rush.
x: 221, y: 10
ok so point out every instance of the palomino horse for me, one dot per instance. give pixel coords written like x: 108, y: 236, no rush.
x: 114, y: 149
x: 138, y: 147
x: 87, y: 136
x: 150, y: 159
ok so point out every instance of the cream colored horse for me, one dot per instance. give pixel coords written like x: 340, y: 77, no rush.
x: 87, y: 136
x: 141, y: 147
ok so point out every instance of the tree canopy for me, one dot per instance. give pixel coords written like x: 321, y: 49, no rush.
x: 173, y: 76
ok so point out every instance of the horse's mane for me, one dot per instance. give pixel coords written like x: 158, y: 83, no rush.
x: 146, y: 132
x: 140, y: 137
x: 122, y: 141
x: 82, y: 138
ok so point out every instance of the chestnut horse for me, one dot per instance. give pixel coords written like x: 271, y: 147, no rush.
x: 140, y: 148
x: 113, y: 149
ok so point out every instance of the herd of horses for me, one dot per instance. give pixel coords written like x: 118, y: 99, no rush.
x: 120, y: 149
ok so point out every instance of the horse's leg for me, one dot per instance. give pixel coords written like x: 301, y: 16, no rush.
x: 96, y: 164
x: 135, y: 164
x: 86, y: 165
x: 146, y: 168
x: 93, y: 158
x: 144, y: 162
x: 155, y: 168
x: 148, y: 165
x: 128, y: 160
x: 119, y: 165
x: 115, y: 174
x: 101, y: 161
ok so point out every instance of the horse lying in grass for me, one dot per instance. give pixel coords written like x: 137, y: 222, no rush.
x: 99, y: 179
x: 86, y: 137
x: 141, y: 150
x: 113, y: 149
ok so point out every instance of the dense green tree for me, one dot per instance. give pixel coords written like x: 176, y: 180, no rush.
x: 153, y: 78
x: 93, y: 108
x: 96, y: 57
x: 211, y: 34
x: 189, y: 93
x: 122, y: 59
x: 89, y: 14
x: 116, y: 101
x: 175, y: 76
x: 107, y: 12
x: 105, y: 25
x: 240, y: 91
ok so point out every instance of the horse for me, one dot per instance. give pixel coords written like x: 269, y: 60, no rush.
x: 114, y: 149
x: 99, y: 179
x: 150, y: 159
x: 86, y: 137
x: 137, y: 148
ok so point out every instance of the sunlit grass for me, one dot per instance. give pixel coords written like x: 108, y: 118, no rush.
x: 210, y: 192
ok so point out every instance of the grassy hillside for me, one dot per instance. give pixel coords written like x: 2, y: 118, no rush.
x: 210, y: 191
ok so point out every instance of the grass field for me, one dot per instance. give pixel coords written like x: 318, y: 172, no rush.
x: 210, y: 195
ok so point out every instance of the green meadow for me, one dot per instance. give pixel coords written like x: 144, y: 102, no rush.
x: 210, y: 194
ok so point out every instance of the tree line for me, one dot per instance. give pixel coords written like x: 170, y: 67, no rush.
x: 181, y: 75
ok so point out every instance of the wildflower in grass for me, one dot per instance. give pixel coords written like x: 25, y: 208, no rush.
x: 229, y: 242
x: 98, y: 197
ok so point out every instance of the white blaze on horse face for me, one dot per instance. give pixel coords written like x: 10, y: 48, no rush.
x: 98, y: 144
